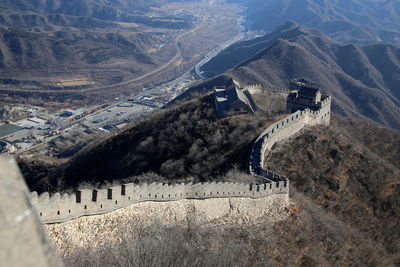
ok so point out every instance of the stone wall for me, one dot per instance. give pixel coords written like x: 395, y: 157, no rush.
x: 23, y: 241
x: 59, y: 208
x: 91, y: 232
x: 283, y: 129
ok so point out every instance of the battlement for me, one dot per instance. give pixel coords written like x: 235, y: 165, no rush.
x: 305, y: 95
x: 253, y: 86
x: 59, y: 208
x: 326, y: 101
x: 283, y: 129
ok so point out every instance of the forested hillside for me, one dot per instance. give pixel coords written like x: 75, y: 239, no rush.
x: 351, y: 169
x: 184, y: 142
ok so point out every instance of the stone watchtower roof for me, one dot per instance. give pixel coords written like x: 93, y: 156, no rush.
x: 304, y: 94
x: 305, y: 88
x: 229, y: 98
x: 310, y: 91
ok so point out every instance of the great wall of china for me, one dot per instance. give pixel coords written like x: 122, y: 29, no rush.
x: 283, y: 129
x: 60, y: 208
x: 63, y: 207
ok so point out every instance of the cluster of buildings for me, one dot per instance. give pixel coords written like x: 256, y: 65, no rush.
x: 25, y: 133
x: 161, y: 95
x: 41, y: 128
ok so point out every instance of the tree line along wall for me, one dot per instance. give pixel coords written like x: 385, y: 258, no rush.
x: 60, y: 208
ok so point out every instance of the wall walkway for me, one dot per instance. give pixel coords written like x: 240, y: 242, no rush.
x: 60, y: 208
x: 23, y: 241
x: 281, y: 130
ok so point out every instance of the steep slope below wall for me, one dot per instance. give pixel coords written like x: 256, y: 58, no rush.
x: 350, y: 169
x: 304, y: 234
x: 93, y: 231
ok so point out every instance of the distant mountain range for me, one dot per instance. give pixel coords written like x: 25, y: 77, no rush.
x: 57, y: 45
x: 349, y: 21
x: 364, y: 80
x: 28, y: 13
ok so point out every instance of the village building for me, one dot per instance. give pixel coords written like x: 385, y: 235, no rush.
x: 304, y: 94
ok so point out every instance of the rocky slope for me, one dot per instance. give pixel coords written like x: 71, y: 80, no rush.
x: 351, y: 170
x: 303, y: 234
x: 108, y: 232
x: 363, y: 80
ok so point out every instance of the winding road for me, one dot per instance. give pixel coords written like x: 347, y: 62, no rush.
x: 161, y: 68
x: 177, y: 55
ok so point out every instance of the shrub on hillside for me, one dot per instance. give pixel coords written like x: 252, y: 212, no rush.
x: 185, y: 140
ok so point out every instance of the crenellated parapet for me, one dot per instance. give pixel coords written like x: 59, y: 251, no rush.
x: 253, y: 86
x: 63, y: 207
x: 281, y: 130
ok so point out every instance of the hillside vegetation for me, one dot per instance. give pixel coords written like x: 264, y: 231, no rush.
x: 363, y: 79
x: 352, y: 170
x: 308, y: 236
x: 182, y: 142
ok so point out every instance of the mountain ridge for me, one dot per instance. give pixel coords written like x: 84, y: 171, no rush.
x: 349, y: 21
x: 363, y: 79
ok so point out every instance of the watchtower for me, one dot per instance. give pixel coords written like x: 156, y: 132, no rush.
x: 230, y: 99
x: 304, y: 94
